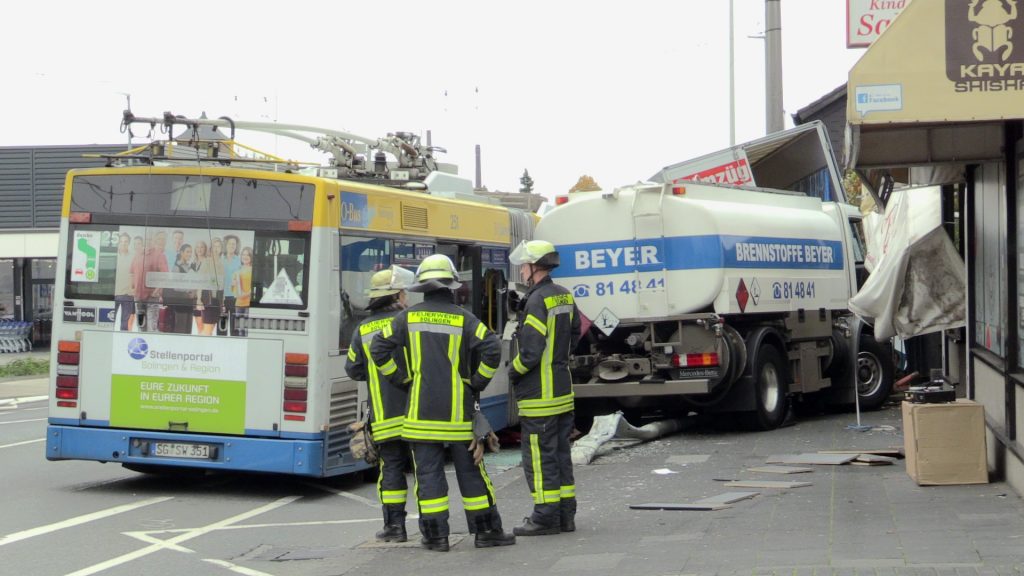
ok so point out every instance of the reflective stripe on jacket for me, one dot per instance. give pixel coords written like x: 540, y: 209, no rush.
x: 440, y: 338
x: 549, y: 327
x: 388, y: 402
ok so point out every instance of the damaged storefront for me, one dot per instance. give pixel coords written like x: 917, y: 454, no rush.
x: 938, y: 100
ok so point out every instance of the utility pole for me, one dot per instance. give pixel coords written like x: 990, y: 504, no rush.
x: 732, y: 79
x: 773, y: 65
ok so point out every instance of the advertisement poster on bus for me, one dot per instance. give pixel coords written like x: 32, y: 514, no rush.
x: 85, y: 255
x: 161, y: 382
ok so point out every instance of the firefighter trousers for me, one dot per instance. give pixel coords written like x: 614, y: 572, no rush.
x: 478, y: 498
x: 547, y: 462
x: 392, y: 488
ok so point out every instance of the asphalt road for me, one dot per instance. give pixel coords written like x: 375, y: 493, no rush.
x: 80, y: 518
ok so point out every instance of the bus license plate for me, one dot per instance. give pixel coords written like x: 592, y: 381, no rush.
x: 180, y: 450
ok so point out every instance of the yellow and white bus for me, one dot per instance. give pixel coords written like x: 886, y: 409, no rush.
x: 208, y: 304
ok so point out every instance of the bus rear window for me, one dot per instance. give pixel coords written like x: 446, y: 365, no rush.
x: 185, y: 266
x: 192, y: 195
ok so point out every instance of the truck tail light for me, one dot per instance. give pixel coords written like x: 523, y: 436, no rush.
x: 679, y: 190
x: 695, y: 360
x: 559, y: 200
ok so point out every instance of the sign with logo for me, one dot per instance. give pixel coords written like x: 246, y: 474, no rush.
x: 355, y: 210
x: 867, y: 19
x: 107, y: 315
x: 85, y: 255
x: 878, y: 98
x: 727, y: 167
x: 80, y: 315
x: 985, y: 45
x: 161, y: 380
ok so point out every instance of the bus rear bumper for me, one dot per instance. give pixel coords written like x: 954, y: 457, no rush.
x: 140, y: 447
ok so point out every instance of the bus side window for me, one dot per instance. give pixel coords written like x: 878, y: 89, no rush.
x: 361, y: 258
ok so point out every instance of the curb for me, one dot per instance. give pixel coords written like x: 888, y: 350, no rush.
x: 22, y: 400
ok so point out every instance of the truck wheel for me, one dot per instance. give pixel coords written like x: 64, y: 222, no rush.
x: 770, y: 388
x: 874, y: 374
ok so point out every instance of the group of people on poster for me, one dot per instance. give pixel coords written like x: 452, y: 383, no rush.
x: 175, y: 279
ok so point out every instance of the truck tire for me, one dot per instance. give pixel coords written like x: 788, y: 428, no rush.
x: 770, y: 389
x: 874, y: 373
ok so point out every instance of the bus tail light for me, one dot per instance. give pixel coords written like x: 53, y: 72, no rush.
x: 694, y: 360
x: 67, y: 393
x: 80, y: 217
x: 69, y: 346
x: 559, y: 200
x: 68, y: 357
x: 296, y: 370
x: 296, y: 393
x: 300, y: 225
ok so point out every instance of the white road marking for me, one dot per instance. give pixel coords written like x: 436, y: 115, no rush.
x: 194, y: 533
x: 236, y: 568
x: 20, y: 421
x: 269, y: 525
x: 22, y: 443
x: 145, y: 537
x: 24, y: 534
x: 344, y: 494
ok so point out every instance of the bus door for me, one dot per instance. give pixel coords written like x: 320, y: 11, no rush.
x: 483, y: 293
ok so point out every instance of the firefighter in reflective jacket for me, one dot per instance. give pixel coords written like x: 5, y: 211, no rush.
x: 387, y: 402
x: 549, y: 328
x: 439, y: 338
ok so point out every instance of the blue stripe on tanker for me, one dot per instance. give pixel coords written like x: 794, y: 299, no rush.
x: 698, y: 252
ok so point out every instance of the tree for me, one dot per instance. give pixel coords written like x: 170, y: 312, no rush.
x: 585, y: 184
x: 527, y: 182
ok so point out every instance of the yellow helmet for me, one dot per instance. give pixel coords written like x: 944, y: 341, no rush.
x: 539, y: 252
x: 436, y: 267
x: 436, y: 271
x: 389, y: 281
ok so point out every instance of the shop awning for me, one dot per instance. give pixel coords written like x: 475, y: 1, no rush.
x: 937, y: 85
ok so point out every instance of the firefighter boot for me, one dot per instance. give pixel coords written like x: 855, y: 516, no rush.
x: 432, y: 539
x: 394, y: 525
x: 489, y: 533
x: 531, y: 528
x: 567, y: 514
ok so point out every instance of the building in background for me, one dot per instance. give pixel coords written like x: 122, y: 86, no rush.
x: 941, y: 94
x: 31, y: 192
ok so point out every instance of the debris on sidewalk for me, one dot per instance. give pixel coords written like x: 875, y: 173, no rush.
x: 718, y: 502
x: 663, y: 471
x: 873, y: 460
x: 811, y: 458
x: 685, y: 459
x: 895, y: 452
x: 612, y: 432
x: 770, y: 469
x: 765, y: 484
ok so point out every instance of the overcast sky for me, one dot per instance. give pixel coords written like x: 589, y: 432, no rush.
x: 562, y: 88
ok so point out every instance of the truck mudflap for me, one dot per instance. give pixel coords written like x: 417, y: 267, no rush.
x: 150, y: 449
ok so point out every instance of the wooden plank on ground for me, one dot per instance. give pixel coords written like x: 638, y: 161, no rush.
x: 726, y: 498
x: 892, y: 452
x: 811, y: 458
x: 873, y: 460
x: 717, y: 502
x: 677, y: 506
x: 770, y: 469
x: 765, y: 484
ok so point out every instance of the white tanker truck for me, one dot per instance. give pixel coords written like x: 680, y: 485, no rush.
x: 720, y: 298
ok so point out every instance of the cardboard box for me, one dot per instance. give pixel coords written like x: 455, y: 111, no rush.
x: 945, y: 443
